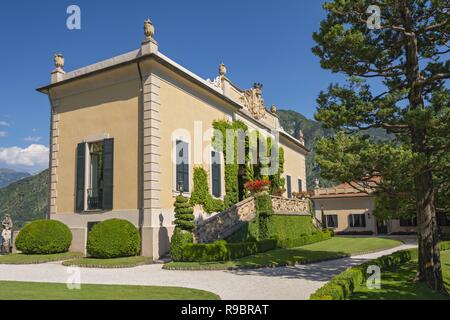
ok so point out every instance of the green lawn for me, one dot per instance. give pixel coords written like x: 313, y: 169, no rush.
x: 399, y: 284
x: 37, y: 258
x: 57, y: 291
x: 127, y: 262
x: 337, y: 247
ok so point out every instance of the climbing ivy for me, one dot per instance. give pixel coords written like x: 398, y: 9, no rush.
x: 252, y: 171
x: 200, y: 194
x: 231, y: 169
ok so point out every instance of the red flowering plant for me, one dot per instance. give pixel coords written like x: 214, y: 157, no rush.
x: 257, y: 185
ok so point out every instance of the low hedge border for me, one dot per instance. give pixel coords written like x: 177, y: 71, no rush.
x: 220, y: 250
x: 97, y: 265
x: 223, y: 251
x: 343, y: 285
x: 287, y: 243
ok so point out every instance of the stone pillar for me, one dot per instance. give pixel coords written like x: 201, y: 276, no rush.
x: 151, y: 152
x: 53, y: 165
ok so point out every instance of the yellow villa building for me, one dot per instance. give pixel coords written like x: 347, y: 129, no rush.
x: 117, y: 125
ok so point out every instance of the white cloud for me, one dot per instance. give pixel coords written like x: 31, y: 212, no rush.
x: 32, y: 139
x: 35, y: 155
x: 4, y: 124
x: 3, y: 134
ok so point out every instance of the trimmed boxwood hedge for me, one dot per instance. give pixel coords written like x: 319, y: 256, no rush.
x: 304, y: 240
x: 344, y: 284
x: 113, y: 238
x: 220, y: 250
x: 44, y: 237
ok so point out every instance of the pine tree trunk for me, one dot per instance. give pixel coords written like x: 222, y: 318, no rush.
x: 429, y: 255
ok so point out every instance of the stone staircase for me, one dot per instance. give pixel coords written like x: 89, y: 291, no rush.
x: 227, y: 222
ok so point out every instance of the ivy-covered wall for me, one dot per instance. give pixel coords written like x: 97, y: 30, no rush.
x: 252, y: 171
x: 201, y: 195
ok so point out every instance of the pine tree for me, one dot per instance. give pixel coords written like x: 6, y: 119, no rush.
x: 407, y: 51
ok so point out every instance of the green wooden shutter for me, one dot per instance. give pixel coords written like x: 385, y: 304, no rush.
x: 300, y: 185
x: 182, y: 163
x: 108, y: 174
x: 80, y: 183
x: 289, y: 186
x: 215, y: 174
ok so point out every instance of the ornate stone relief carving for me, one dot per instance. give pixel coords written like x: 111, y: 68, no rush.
x: 253, y: 101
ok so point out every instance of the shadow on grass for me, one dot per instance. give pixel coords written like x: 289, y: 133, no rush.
x: 399, y: 284
x: 321, y: 265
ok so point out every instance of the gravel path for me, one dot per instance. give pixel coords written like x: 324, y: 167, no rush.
x: 290, y: 283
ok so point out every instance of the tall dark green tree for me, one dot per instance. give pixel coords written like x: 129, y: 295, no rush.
x: 407, y: 53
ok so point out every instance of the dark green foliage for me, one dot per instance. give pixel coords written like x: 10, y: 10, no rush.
x: 220, y: 250
x: 290, y: 227
x: 263, y: 213
x: 343, y: 285
x: 25, y: 200
x: 231, y: 170
x: 249, y: 232
x: 184, y: 218
x: 409, y: 58
x: 113, y: 238
x: 216, y: 251
x: 184, y: 222
x: 285, y: 228
x: 200, y: 194
x: 264, y: 205
x: 302, y: 240
x: 179, y: 239
x: 44, y: 237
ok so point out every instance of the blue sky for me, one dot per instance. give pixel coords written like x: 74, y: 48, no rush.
x: 259, y: 41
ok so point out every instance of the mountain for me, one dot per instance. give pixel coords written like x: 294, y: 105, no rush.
x: 8, y: 176
x: 293, y: 122
x: 26, y: 199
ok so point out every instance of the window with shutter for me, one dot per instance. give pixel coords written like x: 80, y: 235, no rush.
x: 289, y: 186
x: 108, y: 174
x: 216, y: 174
x: 300, y: 185
x: 80, y: 184
x: 182, y: 163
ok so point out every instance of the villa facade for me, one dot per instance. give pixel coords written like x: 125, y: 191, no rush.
x: 348, y: 210
x: 125, y: 138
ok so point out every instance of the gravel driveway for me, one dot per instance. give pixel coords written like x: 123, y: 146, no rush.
x: 290, y: 283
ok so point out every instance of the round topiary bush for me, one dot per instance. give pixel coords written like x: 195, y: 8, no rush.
x: 44, y: 237
x: 113, y: 239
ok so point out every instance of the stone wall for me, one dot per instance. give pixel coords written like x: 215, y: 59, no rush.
x: 282, y: 205
x: 224, y: 223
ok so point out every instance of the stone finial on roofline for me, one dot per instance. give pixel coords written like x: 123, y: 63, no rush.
x: 273, y: 109
x: 222, y: 69
x: 149, y: 45
x: 58, y: 72
x: 149, y: 29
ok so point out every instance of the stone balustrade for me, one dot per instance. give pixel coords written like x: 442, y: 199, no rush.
x: 225, y: 223
x: 287, y: 206
x: 220, y: 225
